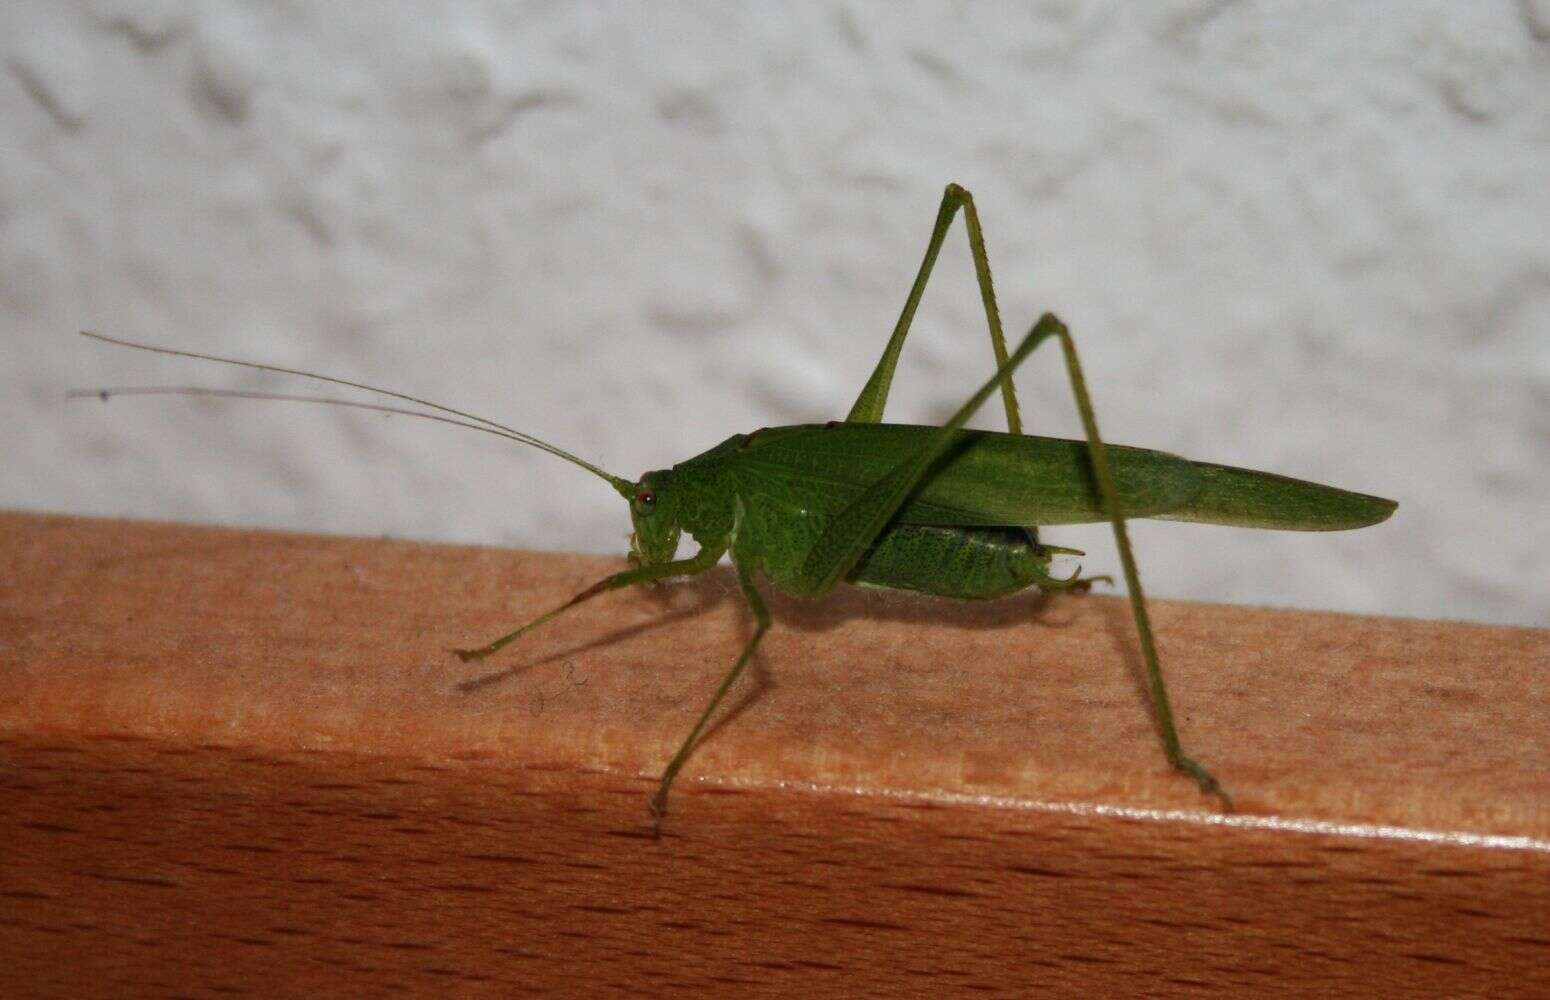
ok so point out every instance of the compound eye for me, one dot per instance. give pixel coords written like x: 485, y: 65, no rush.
x: 645, y: 499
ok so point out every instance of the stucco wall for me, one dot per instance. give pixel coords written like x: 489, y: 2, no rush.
x: 1310, y: 237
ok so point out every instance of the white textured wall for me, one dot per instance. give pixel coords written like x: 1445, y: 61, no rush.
x: 1308, y: 237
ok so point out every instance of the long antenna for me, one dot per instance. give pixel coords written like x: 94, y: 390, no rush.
x: 623, y: 486
x: 108, y: 392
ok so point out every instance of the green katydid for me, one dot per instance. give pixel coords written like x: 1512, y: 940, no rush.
x: 942, y: 510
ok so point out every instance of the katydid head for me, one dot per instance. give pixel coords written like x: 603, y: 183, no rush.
x: 653, y: 513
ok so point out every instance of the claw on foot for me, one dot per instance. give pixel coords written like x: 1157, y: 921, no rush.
x: 1207, y: 782
x: 658, y: 809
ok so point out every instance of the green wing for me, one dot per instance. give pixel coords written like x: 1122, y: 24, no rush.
x: 989, y: 478
x: 1248, y: 499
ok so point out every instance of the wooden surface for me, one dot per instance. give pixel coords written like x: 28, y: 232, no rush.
x: 241, y: 762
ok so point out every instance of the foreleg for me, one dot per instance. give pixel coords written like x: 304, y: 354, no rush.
x: 697, y: 563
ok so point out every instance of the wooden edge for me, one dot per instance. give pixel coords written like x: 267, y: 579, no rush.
x: 237, y: 759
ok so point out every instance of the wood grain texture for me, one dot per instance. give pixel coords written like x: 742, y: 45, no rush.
x: 241, y: 762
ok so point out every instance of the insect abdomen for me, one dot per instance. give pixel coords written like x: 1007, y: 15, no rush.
x: 952, y: 562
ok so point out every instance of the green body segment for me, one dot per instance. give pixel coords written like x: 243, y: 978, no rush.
x: 963, y: 532
x: 966, y: 563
